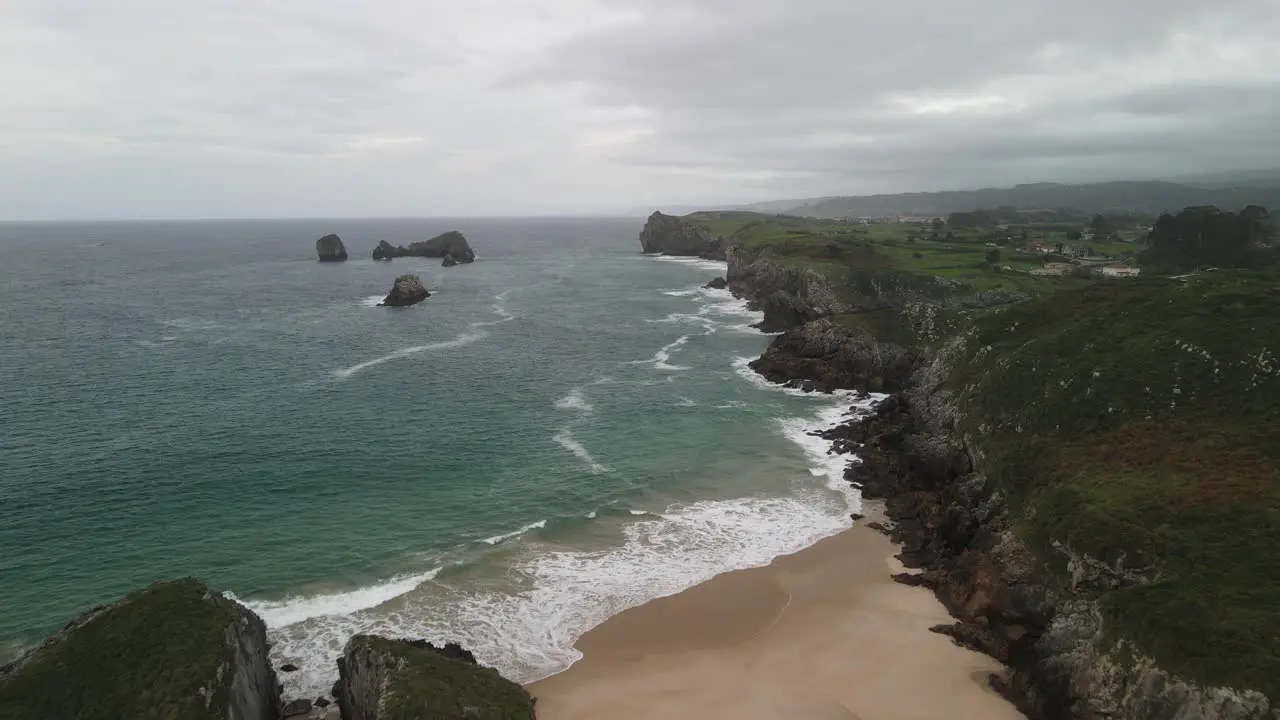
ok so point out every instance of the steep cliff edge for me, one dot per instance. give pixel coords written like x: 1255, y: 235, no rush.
x: 174, y: 651
x: 672, y: 235
x: 1092, y: 485
x: 382, y: 679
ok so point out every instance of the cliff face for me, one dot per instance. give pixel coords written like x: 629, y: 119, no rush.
x: 673, y: 235
x: 830, y: 355
x: 330, y: 249
x: 173, y: 650
x: 381, y: 679
x: 451, y: 244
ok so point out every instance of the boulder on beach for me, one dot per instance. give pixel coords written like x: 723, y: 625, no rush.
x: 296, y: 708
x: 717, y: 284
x: 331, y: 249
x: 408, y: 290
x: 452, y: 243
x: 403, y: 679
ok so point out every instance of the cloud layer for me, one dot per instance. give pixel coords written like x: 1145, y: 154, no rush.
x: 336, y: 107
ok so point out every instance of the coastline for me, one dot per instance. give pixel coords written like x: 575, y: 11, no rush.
x: 822, y: 633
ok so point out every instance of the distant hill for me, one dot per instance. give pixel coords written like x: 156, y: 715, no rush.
x: 1140, y: 197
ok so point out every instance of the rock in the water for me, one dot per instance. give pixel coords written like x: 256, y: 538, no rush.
x: 448, y: 261
x: 717, y: 284
x: 296, y: 708
x: 176, y: 649
x: 408, y: 290
x: 450, y: 243
x: 288, y: 667
x: 331, y: 249
x: 385, y: 679
x: 673, y: 235
x: 323, y: 702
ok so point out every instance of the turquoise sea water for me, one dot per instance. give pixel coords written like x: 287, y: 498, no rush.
x: 566, y: 429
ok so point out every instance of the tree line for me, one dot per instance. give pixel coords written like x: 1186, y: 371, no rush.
x: 1206, y: 236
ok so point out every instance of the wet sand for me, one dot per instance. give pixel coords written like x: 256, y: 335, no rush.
x: 818, y: 635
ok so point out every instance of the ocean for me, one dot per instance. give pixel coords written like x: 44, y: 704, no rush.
x: 566, y: 429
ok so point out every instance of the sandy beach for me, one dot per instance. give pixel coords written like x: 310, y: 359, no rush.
x: 824, y: 633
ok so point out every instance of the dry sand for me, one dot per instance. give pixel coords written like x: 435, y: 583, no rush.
x: 818, y: 635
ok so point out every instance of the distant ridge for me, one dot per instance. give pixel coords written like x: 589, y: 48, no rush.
x: 1136, y: 196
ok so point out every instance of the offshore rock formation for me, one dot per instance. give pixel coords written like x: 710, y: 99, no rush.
x: 834, y: 356
x: 381, y: 679
x: 173, y: 650
x: 331, y: 249
x: 452, y: 243
x: 448, y: 261
x: 408, y: 290
x: 717, y: 284
x: 671, y: 235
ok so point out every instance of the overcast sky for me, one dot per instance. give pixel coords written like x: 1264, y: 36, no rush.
x: 289, y: 108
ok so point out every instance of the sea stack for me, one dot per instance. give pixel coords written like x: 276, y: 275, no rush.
x: 452, y: 243
x: 671, y: 235
x: 331, y: 249
x: 408, y: 290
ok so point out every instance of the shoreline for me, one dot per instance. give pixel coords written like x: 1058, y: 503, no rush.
x: 821, y: 633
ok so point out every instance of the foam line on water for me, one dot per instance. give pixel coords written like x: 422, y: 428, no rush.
x: 566, y: 440
x: 661, y: 357
x: 516, y: 533
x: 575, y: 401
x: 292, y: 610
x: 717, y: 266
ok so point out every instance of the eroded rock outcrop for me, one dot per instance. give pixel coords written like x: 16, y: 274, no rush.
x: 672, y: 235
x: 331, y: 249
x: 832, y: 355
x: 452, y: 244
x: 408, y: 290
x: 717, y: 284
x: 788, y: 295
x: 174, y: 650
x: 382, y: 679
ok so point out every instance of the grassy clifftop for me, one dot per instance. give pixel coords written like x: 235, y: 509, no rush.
x: 1139, y: 422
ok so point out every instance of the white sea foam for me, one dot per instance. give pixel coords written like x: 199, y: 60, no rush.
x: 372, y: 300
x: 567, y: 441
x: 681, y: 293
x: 716, y: 266
x: 661, y: 357
x: 279, y: 613
x: 574, y: 401
x: 685, y: 401
x: 464, y: 339
x: 474, y: 333
x: 528, y: 632
x: 742, y: 366
x: 516, y: 533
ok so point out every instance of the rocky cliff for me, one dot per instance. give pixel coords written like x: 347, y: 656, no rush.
x: 826, y: 355
x: 330, y: 249
x: 451, y: 244
x: 407, y: 290
x: 671, y: 235
x: 173, y: 650
x: 381, y: 679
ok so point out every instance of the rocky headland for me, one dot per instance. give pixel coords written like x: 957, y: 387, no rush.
x: 407, y: 290
x: 1023, y: 457
x: 330, y: 249
x: 672, y: 235
x: 450, y: 246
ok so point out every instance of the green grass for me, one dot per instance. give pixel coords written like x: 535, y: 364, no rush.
x: 145, y: 659
x: 432, y: 687
x: 1139, y: 421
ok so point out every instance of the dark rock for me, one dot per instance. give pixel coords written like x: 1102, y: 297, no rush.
x: 323, y: 702
x: 408, y: 290
x: 856, y: 516
x: 295, y: 708
x: 717, y: 284
x: 331, y: 249
x: 824, y: 355
x: 448, y: 261
x: 223, y: 651
x: 288, y: 667
x: 451, y: 243
x: 671, y: 235
x: 434, y: 682
x: 878, y: 527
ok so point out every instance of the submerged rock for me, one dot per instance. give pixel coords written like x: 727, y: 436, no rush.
x: 174, y: 650
x: 408, y: 290
x: 717, y: 284
x: 331, y: 249
x: 381, y: 679
x: 671, y: 235
x: 452, y: 243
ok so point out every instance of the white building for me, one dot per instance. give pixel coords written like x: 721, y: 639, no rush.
x: 1120, y: 271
